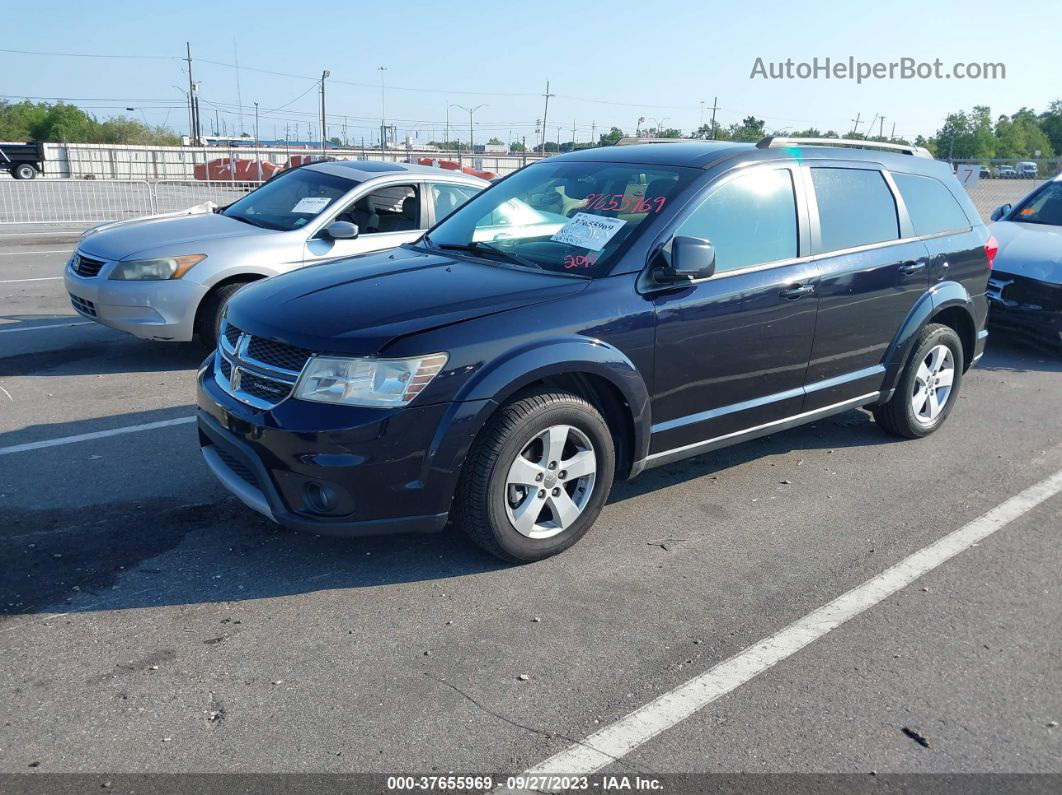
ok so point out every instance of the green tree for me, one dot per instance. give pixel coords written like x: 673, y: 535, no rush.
x: 495, y: 142
x: 516, y: 146
x: 1051, y: 124
x: 611, y: 138
x: 750, y: 129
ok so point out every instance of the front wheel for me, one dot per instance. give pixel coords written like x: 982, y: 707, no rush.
x: 929, y: 385
x: 537, y: 477
x: 208, y: 319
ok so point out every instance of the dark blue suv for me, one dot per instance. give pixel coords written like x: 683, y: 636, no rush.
x: 590, y: 316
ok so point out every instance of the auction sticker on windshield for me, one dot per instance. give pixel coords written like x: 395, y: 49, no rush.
x: 311, y: 204
x: 588, y: 231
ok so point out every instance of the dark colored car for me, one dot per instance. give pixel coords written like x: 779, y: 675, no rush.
x: 1025, y: 291
x: 588, y: 317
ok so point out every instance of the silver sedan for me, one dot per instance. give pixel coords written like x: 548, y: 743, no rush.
x: 168, y: 278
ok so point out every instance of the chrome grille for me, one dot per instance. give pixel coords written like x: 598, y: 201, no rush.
x: 254, y: 370
x: 86, y: 266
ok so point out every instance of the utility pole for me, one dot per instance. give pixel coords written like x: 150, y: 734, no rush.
x: 324, y: 127
x: 257, y: 154
x: 573, y: 133
x: 702, y: 113
x: 383, y: 108
x: 715, y: 107
x: 545, y: 114
x: 239, y: 96
x: 593, y: 133
x: 892, y: 135
x: 881, y: 129
x: 870, y: 127
x: 217, y: 123
x: 344, y: 131
x: 446, y: 139
x: 193, y: 121
x: 855, y: 123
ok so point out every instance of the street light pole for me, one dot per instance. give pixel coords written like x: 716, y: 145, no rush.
x: 383, y: 109
x: 471, y: 136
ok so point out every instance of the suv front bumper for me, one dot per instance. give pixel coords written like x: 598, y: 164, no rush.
x: 337, y: 470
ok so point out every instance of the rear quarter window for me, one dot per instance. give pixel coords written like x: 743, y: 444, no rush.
x: 932, y: 207
x: 856, y: 208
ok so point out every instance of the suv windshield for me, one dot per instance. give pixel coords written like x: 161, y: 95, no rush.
x: 290, y: 200
x: 564, y: 217
x: 1044, y: 207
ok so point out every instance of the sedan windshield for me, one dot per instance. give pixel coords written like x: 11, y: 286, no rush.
x: 564, y: 217
x: 290, y: 200
x: 1043, y: 207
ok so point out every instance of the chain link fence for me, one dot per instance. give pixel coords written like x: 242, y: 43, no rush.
x: 991, y: 183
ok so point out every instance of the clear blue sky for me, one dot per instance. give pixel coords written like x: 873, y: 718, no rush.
x: 655, y: 59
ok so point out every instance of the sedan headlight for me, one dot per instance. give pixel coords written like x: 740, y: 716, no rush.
x: 156, y: 269
x: 367, y: 382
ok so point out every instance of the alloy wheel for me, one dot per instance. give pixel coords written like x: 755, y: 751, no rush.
x: 933, y: 384
x: 550, y: 482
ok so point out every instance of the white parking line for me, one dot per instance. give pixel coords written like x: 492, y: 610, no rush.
x: 617, y: 740
x: 51, y: 325
x: 84, y: 437
x: 38, y: 279
x: 30, y: 253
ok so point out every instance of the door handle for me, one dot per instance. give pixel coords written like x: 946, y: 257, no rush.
x: 797, y: 291
x: 912, y: 266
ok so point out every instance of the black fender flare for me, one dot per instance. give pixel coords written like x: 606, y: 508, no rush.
x: 502, y: 377
x: 936, y: 299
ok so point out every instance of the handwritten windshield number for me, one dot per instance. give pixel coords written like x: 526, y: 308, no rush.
x: 579, y: 261
x: 620, y: 203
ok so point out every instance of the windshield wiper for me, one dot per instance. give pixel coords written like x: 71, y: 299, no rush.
x: 478, y: 245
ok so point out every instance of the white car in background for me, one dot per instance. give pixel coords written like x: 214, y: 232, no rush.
x: 168, y: 278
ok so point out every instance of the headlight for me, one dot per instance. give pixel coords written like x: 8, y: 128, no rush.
x: 367, y: 382
x: 156, y: 269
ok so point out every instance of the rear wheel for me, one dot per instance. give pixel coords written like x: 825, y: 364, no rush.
x: 929, y: 385
x: 537, y: 477
x: 208, y: 319
x: 24, y: 171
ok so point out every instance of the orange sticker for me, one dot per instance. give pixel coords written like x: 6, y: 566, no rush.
x: 1028, y: 211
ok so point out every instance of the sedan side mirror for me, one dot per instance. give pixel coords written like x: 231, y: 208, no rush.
x: 1000, y: 211
x: 341, y: 230
x: 691, y: 258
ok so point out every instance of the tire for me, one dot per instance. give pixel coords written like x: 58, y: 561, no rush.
x: 24, y: 171
x: 490, y: 505
x: 208, y: 318
x: 936, y: 357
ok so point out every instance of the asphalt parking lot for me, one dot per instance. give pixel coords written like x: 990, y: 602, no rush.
x: 149, y: 622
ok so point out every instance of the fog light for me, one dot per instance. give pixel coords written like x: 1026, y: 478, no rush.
x: 319, y: 498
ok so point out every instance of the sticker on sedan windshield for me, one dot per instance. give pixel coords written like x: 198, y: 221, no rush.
x: 311, y: 205
x: 588, y: 231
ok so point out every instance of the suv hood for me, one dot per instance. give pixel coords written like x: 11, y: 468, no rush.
x: 358, y: 306
x: 1031, y: 250
x: 151, y: 235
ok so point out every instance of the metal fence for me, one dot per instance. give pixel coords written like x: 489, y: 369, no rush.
x: 57, y: 201
x: 991, y: 183
x: 129, y: 162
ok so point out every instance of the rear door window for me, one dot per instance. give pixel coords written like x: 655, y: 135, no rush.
x: 930, y: 204
x: 751, y: 220
x: 856, y: 208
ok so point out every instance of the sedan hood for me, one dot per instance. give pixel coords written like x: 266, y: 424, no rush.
x: 358, y: 306
x: 1030, y: 250
x: 164, y: 236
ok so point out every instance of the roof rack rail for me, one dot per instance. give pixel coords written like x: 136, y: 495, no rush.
x: 631, y: 141
x: 776, y: 141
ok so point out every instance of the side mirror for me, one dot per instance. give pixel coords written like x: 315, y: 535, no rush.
x: 1000, y: 211
x: 691, y: 258
x: 341, y: 230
